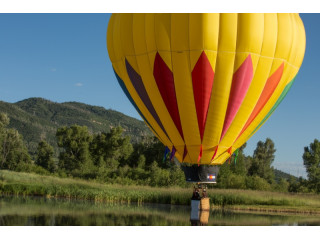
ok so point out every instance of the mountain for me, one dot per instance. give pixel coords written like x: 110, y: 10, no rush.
x: 38, y: 118
x: 278, y: 174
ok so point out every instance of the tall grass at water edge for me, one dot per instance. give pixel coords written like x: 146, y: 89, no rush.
x: 17, y: 183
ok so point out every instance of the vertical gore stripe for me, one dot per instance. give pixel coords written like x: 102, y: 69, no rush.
x: 240, y: 85
x: 140, y: 89
x: 268, y: 90
x: 165, y: 83
x: 202, y: 80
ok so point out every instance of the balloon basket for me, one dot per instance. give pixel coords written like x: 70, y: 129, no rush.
x: 200, y: 199
x: 205, y: 204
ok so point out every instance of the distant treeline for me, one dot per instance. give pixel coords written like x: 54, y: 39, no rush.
x: 37, y: 119
x: 112, y: 158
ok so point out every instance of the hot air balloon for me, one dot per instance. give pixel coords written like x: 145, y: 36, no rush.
x: 205, y: 83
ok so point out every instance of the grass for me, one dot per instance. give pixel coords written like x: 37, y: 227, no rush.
x: 28, y: 184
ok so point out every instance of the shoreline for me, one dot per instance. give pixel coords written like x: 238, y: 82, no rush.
x: 259, y: 209
x: 29, y: 184
x: 269, y: 211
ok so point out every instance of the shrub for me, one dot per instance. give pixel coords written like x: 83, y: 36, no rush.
x: 232, y: 181
x: 257, y: 183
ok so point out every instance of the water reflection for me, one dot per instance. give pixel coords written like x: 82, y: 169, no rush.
x: 201, y: 218
x: 200, y: 211
x: 30, y: 211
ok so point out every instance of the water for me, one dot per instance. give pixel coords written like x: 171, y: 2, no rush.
x: 36, y: 211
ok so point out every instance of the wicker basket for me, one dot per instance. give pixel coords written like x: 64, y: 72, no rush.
x: 205, y: 204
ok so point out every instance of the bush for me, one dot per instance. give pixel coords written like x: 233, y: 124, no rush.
x: 282, y: 186
x: 138, y: 174
x: 177, y: 177
x: 232, y: 181
x: 158, y: 176
x: 257, y: 183
x: 24, y: 167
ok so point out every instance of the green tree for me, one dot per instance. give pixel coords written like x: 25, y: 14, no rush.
x: 158, y: 176
x: 311, y: 160
x: 238, y: 165
x: 263, y: 157
x: 257, y: 183
x: 299, y: 185
x: 13, y: 152
x: 232, y: 174
x: 75, y: 142
x: 177, y: 177
x: 44, y: 157
x: 282, y: 185
x: 141, y: 162
x: 111, y: 149
x: 154, y: 152
x: 223, y: 175
x: 4, y: 121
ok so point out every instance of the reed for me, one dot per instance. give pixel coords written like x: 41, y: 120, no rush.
x: 30, y: 184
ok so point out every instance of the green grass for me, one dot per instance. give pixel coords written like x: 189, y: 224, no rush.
x: 17, y: 183
x: 28, y: 184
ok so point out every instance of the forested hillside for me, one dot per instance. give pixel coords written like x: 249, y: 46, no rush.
x: 38, y: 119
x: 278, y: 175
x: 100, y: 144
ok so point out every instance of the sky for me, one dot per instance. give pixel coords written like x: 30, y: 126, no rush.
x: 63, y: 57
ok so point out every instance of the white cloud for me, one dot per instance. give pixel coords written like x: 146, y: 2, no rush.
x: 79, y: 84
x: 53, y: 69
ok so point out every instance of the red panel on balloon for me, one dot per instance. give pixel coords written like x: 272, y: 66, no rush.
x: 165, y: 83
x: 202, y: 80
x: 240, y: 84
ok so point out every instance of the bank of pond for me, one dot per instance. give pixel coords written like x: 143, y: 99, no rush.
x: 29, y: 184
x: 41, y: 211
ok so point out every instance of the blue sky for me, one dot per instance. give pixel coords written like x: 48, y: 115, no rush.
x: 63, y: 57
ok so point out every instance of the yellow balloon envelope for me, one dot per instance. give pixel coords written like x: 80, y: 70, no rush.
x: 205, y: 83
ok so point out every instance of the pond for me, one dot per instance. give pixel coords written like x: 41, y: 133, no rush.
x: 36, y: 211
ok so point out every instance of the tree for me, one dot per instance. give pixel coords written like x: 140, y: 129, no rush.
x: 298, y: 185
x: 13, y: 152
x: 282, y: 185
x: 257, y: 183
x: 154, y: 152
x: 239, y: 166
x: 311, y: 160
x: 44, y: 156
x: 177, y: 177
x: 4, y: 121
x: 158, y: 176
x: 263, y: 157
x: 111, y: 149
x: 233, y: 174
x: 141, y: 162
x: 75, y: 142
